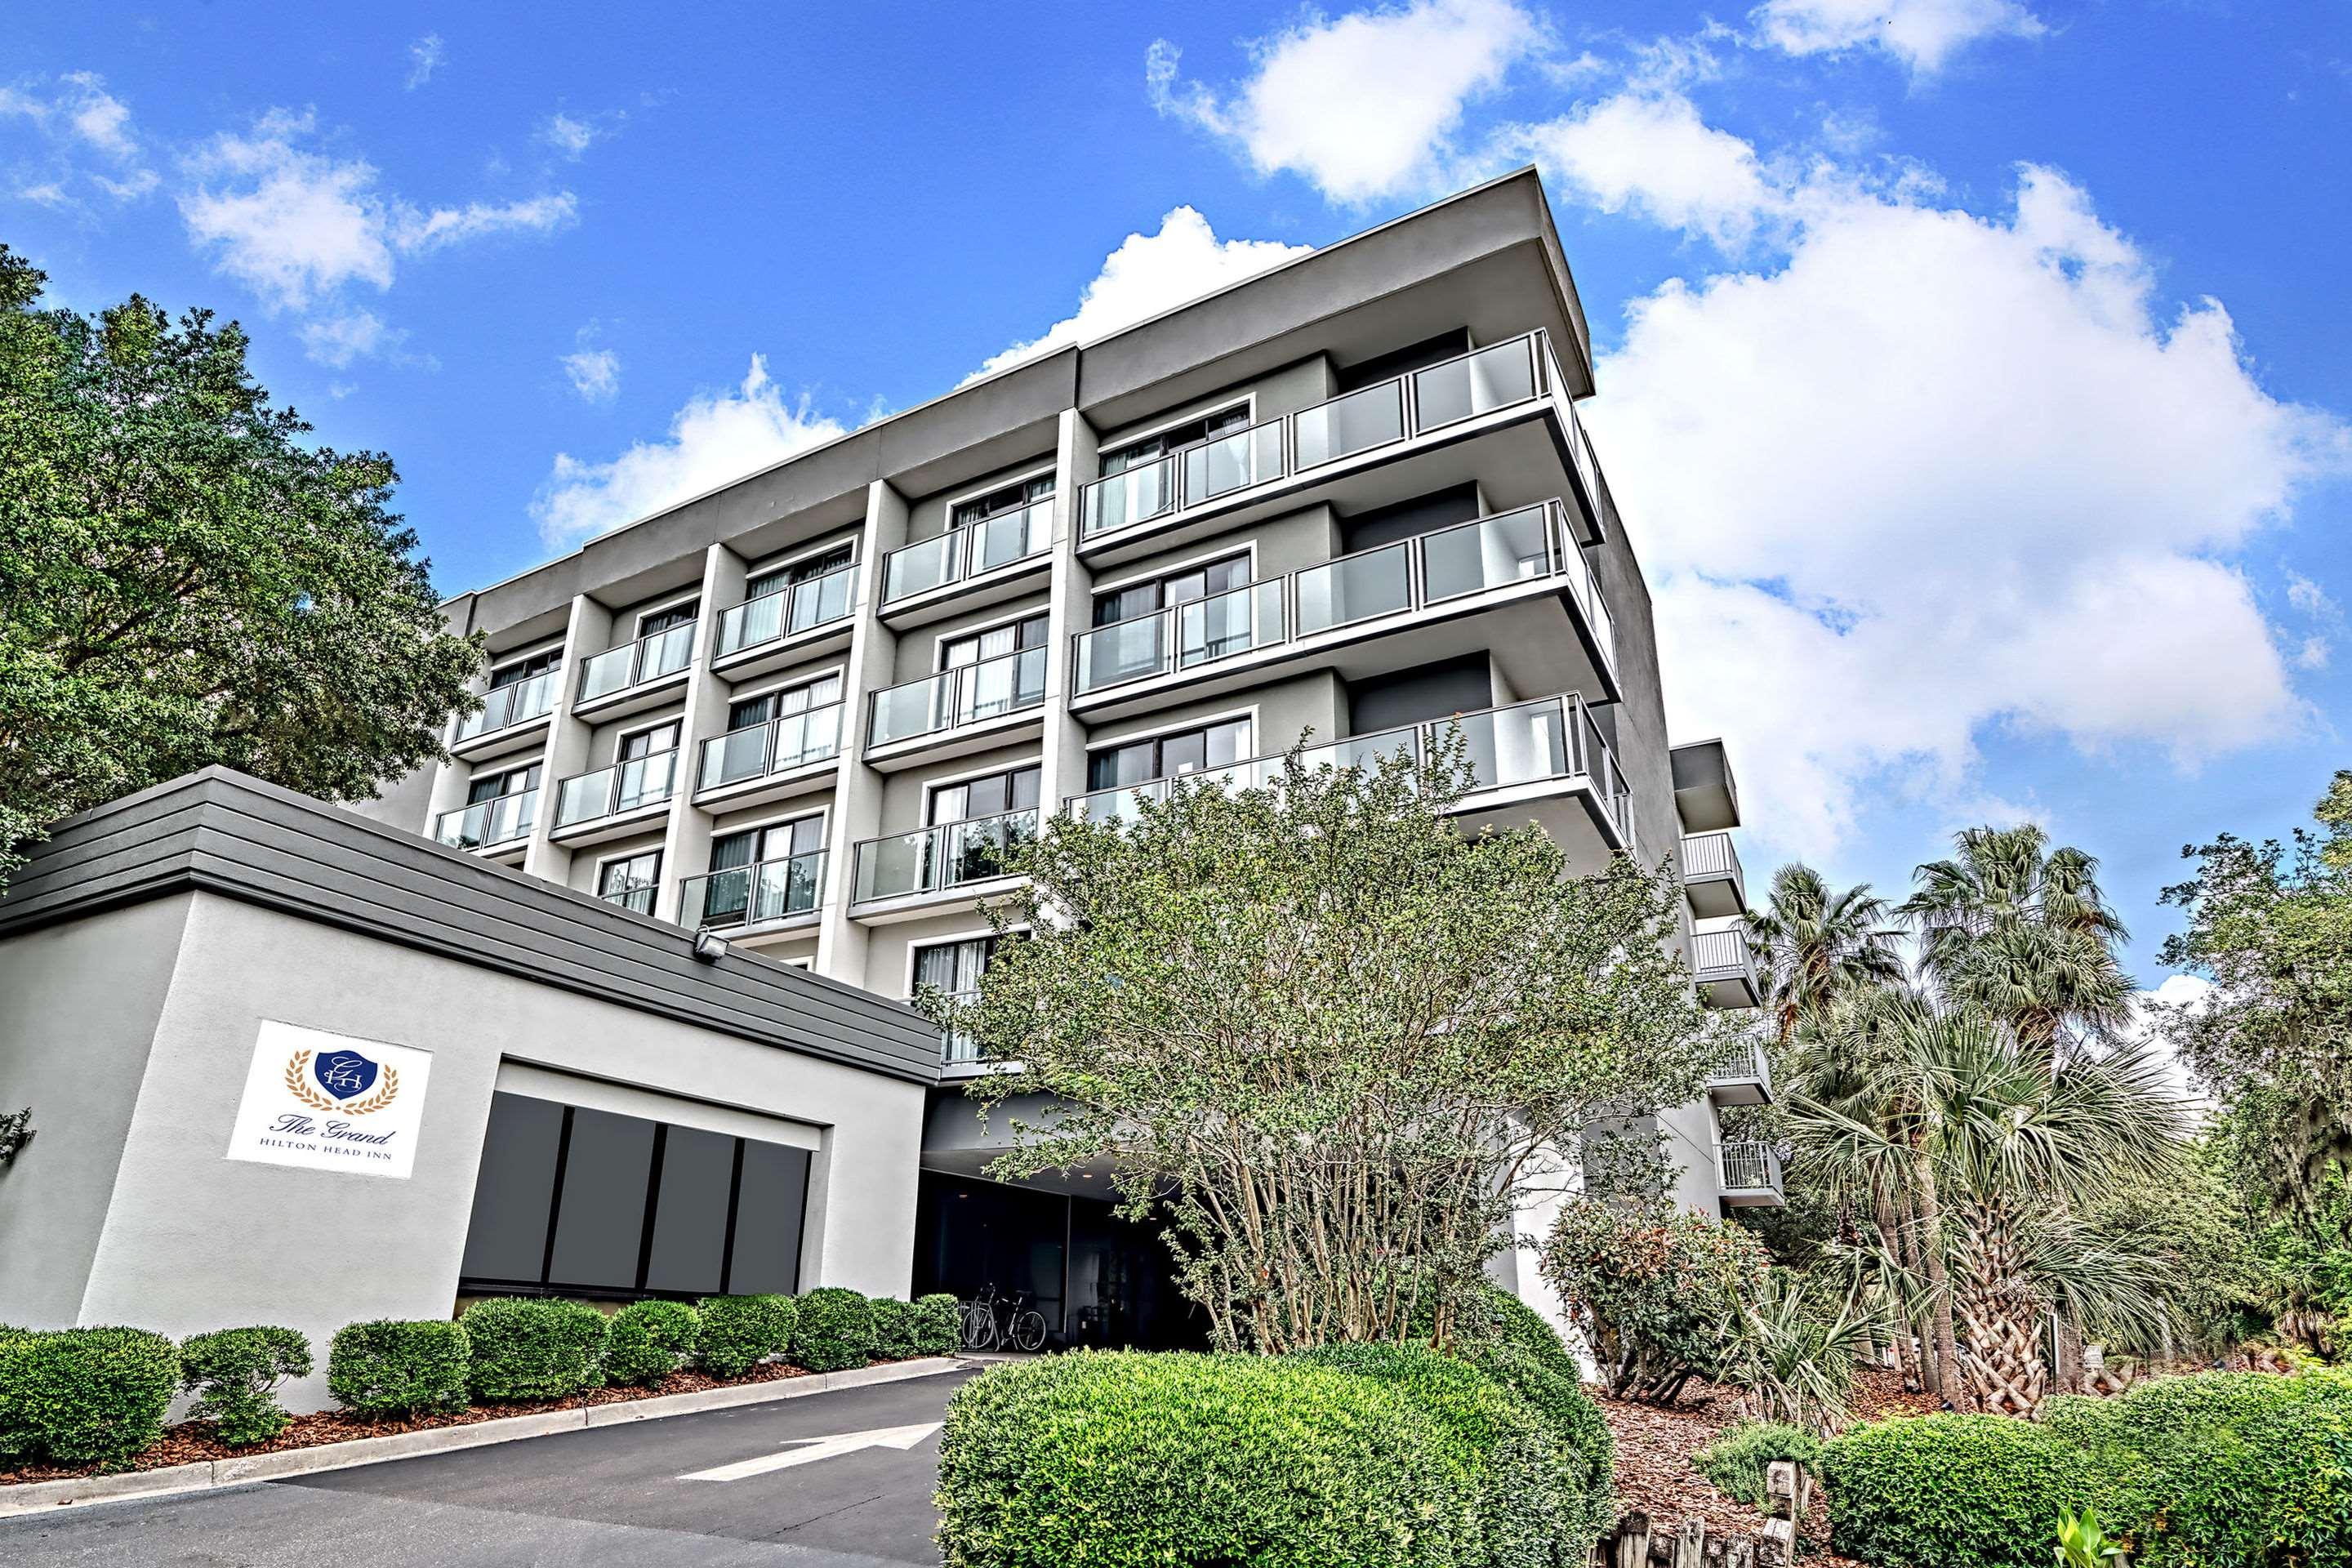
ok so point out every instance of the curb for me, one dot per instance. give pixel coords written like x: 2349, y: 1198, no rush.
x: 208, y: 1475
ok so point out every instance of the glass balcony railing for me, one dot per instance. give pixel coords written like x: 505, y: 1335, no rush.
x: 624, y: 786
x: 787, y: 742
x: 757, y: 894
x: 1517, y: 370
x: 634, y: 664
x: 1527, y: 742
x: 1451, y: 563
x: 970, y: 551
x: 516, y: 704
x: 954, y: 698
x: 488, y: 824
x: 788, y: 612
x: 948, y: 855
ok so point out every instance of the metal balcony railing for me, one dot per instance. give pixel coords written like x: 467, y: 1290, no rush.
x: 955, y: 698
x: 1747, y: 1167
x: 787, y: 742
x: 788, y: 612
x: 931, y: 859
x: 488, y: 824
x: 608, y: 792
x: 1710, y: 855
x: 1722, y: 953
x: 516, y: 704
x: 634, y: 664
x: 757, y: 894
x: 1745, y: 1061
x: 970, y: 551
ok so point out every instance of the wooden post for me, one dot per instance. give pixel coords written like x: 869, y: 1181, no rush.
x: 1633, y: 1541
x: 1690, y: 1543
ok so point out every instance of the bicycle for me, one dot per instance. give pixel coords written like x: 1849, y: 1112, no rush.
x: 979, y: 1320
x: 991, y: 1320
x: 1025, y: 1327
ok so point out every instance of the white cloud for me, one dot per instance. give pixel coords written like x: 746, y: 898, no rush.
x: 140, y: 182
x: 1150, y: 273
x: 595, y: 372
x: 416, y: 233
x: 425, y: 58
x: 96, y: 115
x: 1650, y: 152
x: 1922, y: 34
x: 716, y: 438
x: 2187, y: 994
x: 50, y: 194
x: 1364, y: 105
x: 337, y: 341
x: 569, y: 136
x: 81, y: 114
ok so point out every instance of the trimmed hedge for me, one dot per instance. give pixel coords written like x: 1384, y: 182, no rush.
x: 85, y: 1397
x: 894, y: 1326
x: 1513, y: 1344
x: 529, y: 1347
x: 835, y: 1331
x: 392, y: 1367
x: 1735, y: 1462
x: 1951, y: 1491
x: 235, y: 1373
x: 738, y: 1332
x: 648, y: 1341
x: 1123, y: 1458
x: 938, y: 1325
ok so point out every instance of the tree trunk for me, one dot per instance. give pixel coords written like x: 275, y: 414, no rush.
x: 1931, y: 1251
x: 1931, y: 1373
x: 1890, y: 1232
x: 2001, y: 1314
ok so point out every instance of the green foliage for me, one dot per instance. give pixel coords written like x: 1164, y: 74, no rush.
x: 235, y: 1373
x: 894, y: 1326
x: 186, y: 578
x: 938, y: 1325
x: 1794, y: 1347
x: 836, y: 1330
x: 1951, y: 1491
x: 533, y: 1348
x: 1509, y: 1341
x: 84, y: 1396
x: 1317, y: 1003
x: 391, y: 1367
x: 1654, y: 1286
x: 648, y: 1341
x: 16, y: 1126
x: 1131, y: 1460
x: 2083, y: 1544
x: 738, y: 1332
x: 1734, y: 1463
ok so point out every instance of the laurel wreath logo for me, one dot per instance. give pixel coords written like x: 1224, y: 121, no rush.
x: 302, y: 1091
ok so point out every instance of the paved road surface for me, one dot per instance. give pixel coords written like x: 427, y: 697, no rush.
x: 605, y: 1498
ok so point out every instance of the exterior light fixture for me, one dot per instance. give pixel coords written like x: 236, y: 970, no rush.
x: 709, y: 949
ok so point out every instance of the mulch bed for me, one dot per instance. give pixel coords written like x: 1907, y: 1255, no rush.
x: 192, y: 1442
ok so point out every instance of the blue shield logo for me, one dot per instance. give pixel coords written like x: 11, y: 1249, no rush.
x: 345, y: 1075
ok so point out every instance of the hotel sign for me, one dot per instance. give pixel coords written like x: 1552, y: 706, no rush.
x: 330, y: 1102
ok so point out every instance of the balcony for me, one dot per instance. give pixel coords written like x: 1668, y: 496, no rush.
x: 792, y: 623
x: 1724, y: 968
x: 636, y: 675
x: 506, y: 708
x: 964, y: 697
x: 1705, y: 794
x: 769, y: 893
x: 615, y: 800
x: 1470, y: 568
x: 1712, y: 879
x: 1749, y: 1174
x: 498, y: 825
x: 1743, y: 1076
x: 1510, y: 381
x: 911, y: 866
x: 954, y: 571
x: 785, y: 756
x: 1521, y: 758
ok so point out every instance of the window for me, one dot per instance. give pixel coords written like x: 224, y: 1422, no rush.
x: 1169, y: 756
x: 577, y: 1200
x: 1016, y: 636
x: 647, y: 743
x: 780, y: 842
x: 954, y: 968
x: 746, y: 711
x: 807, y: 569
x: 523, y: 670
x: 1139, y: 599
x: 631, y: 883
x: 665, y: 619
x: 1012, y: 498
x: 1119, y: 459
x: 490, y: 786
x: 1015, y: 789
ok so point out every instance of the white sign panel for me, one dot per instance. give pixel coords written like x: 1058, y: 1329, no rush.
x: 330, y: 1102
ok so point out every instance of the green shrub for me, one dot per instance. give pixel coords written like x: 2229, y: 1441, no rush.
x: 938, y: 1325
x: 894, y: 1326
x: 836, y: 1330
x: 1133, y: 1459
x: 1511, y: 1343
x: 85, y: 1397
x: 1734, y: 1463
x: 1951, y: 1491
x: 391, y: 1367
x: 648, y: 1341
x: 533, y: 1348
x: 234, y: 1375
x: 738, y: 1332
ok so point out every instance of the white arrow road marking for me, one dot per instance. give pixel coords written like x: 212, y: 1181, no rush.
x: 901, y: 1438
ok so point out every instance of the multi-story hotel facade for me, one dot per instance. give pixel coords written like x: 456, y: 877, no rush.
x: 1348, y: 500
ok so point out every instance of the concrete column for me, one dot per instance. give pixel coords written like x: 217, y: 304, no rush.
x: 842, y: 943
x: 685, y: 833
x: 589, y: 633
x: 1064, y: 763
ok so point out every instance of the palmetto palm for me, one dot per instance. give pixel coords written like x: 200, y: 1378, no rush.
x: 1816, y: 946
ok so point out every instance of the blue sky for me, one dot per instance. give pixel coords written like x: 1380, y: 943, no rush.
x: 1975, y: 373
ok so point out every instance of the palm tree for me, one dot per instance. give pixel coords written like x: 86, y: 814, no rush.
x: 1817, y: 946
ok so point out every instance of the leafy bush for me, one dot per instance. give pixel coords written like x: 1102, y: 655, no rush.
x: 1134, y: 1459
x: 391, y: 1367
x: 1510, y: 1342
x: 85, y: 1397
x: 529, y: 1347
x: 938, y: 1325
x: 1734, y: 1463
x: 648, y: 1341
x: 894, y: 1326
x: 1651, y: 1286
x: 235, y: 1373
x: 1951, y: 1491
x: 836, y: 1330
x: 738, y: 1332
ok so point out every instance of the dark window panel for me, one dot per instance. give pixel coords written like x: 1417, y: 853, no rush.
x: 689, y: 1249
x: 507, y: 1237
x: 768, y: 1213
x: 600, y: 1221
